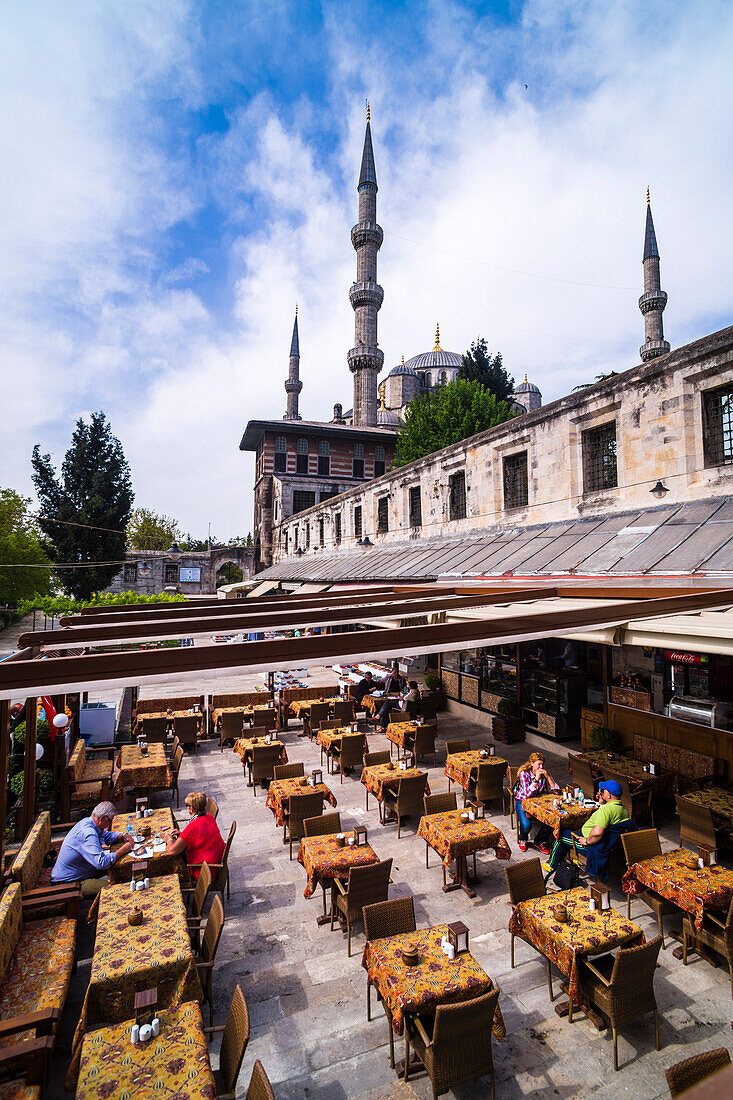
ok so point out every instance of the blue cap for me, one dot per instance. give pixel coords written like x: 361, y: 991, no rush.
x: 611, y: 786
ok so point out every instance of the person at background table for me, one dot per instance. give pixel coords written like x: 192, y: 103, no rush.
x: 200, y: 839
x: 83, y: 857
x: 412, y: 695
x: 533, y: 780
x: 610, y: 812
x: 364, y: 687
x: 395, y: 683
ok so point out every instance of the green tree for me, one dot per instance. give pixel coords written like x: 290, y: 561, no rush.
x: 451, y: 413
x: 20, y: 544
x: 93, y: 499
x: 598, y: 378
x: 147, y: 530
x: 480, y: 366
x: 196, y: 545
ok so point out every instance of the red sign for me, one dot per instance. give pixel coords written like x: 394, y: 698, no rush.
x: 684, y: 658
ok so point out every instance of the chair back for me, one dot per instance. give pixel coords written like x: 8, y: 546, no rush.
x: 212, y: 807
x: 412, y: 706
x: 331, y: 724
x: 201, y: 890
x: 410, y: 794
x: 227, y: 849
x: 318, y: 714
x: 696, y: 824
x: 289, y: 771
x: 259, y: 1084
x: 389, y: 918
x: 466, y: 1026
x: 155, y: 730
x: 425, y: 739
x: 266, y: 719
x: 323, y: 825
x: 368, y: 884
x: 643, y: 844
x: 397, y: 716
x: 457, y: 746
x: 174, y: 745
x: 684, y: 1075
x: 264, y: 761
x: 343, y: 711
x: 440, y: 803
x: 176, y: 760
x: 429, y: 708
x: 212, y: 932
x: 234, y: 1040
x: 352, y: 750
x: 525, y: 881
x: 186, y: 729
x: 300, y: 807
x: 490, y: 781
x: 232, y: 725
x: 632, y: 980
x: 583, y: 776
x: 381, y: 757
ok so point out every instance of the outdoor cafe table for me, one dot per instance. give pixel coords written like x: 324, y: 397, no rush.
x: 324, y: 861
x: 328, y: 740
x: 280, y: 791
x: 569, y: 815
x: 155, y: 954
x: 633, y: 770
x: 454, y: 839
x: 374, y: 703
x: 146, y: 772
x: 169, y: 716
x: 462, y: 767
x: 244, y: 745
x: 717, y: 800
x: 159, y: 863
x: 303, y: 706
x: 175, y: 1064
x: 402, y: 734
x: 586, y: 933
x: 378, y: 778
x: 692, y: 890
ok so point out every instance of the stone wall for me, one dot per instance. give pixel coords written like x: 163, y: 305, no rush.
x: 150, y: 572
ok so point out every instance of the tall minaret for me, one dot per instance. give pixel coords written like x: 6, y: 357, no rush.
x: 293, y: 386
x: 654, y: 299
x: 365, y: 358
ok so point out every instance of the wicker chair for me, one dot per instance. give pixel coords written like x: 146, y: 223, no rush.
x: 176, y: 761
x: 154, y: 730
x: 512, y: 776
x: 259, y: 1087
x: 267, y: 719
x: 265, y: 758
x: 381, y: 757
x: 696, y: 825
x: 439, y: 804
x: 289, y: 771
x: 583, y: 776
x: 408, y: 800
x: 381, y: 920
x: 323, y: 825
x: 350, y: 753
x: 300, y: 806
x: 172, y: 747
x: 220, y: 881
x: 231, y: 728
x: 622, y: 986
x: 312, y: 721
x: 638, y: 846
x: 424, y: 743
x: 209, y: 947
x: 234, y: 1040
x: 638, y: 805
x: 455, y: 1044
x: 489, y: 784
x: 365, y: 886
x: 198, y: 895
x: 212, y: 807
x: 685, y: 1075
x: 525, y: 882
x: 429, y: 708
x: 715, y: 933
x: 458, y: 746
x: 343, y: 711
x: 186, y: 729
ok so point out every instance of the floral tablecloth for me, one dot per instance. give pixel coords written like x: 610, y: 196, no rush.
x: 326, y: 738
x: 174, y: 1065
x: 450, y: 837
x: 627, y: 766
x: 281, y: 790
x: 303, y: 706
x: 380, y: 777
x: 569, y: 815
x: 462, y: 767
x: 374, y: 703
x: 585, y: 933
x: 136, y: 770
x: 717, y: 800
x: 323, y: 858
x: 434, y: 981
x: 159, y: 863
x: 243, y: 747
x: 218, y: 712
x: 402, y: 734
x: 693, y: 891
x: 168, y: 715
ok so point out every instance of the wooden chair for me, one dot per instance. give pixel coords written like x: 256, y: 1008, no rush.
x: 457, y: 746
x: 300, y: 806
x: 489, y: 784
x: 323, y: 825
x: 424, y: 743
x: 343, y: 711
x: 265, y: 758
x: 381, y: 920
x: 234, y: 1040
x: 267, y: 719
x: 408, y: 800
x: 173, y: 746
x: 312, y: 721
x: 176, y: 761
x: 525, y: 882
x: 186, y: 729
x: 412, y: 709
x: 365, y: 886
x: 697, y: 826
x: 231, y: 728
x: 26, y: 1060
x: 209, y: 947
x: 690, y: 1072
x: 259, y: 1087
x: 622, y: 986
x: 512, y: 776
x: 438, y: 804
x: 198, y: 895
x: 350, y: 754
x: 154, y: 730
x: 455, y: 1044
x: 289, y: 771
x: 212, y: 807
x: 583, y: 776
x: 381, y: 757
x: 715, y: 933
x: 638, y: 846
x: 638, y: 805
x: 220, y: 880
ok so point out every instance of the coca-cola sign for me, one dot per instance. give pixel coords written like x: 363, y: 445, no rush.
x: 678, y: 658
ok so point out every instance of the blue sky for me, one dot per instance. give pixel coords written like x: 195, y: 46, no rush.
x: 182, y: 173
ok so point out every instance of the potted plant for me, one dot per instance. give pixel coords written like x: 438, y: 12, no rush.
x: 507, y: 726
x: 434, y: 686
x: 604, y: 739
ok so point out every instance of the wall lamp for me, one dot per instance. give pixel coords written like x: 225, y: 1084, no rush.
x: 659, y: 491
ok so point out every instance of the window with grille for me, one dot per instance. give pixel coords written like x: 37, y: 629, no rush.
x: 415, y: 507
x: 324, y: 461
x: 382, y: 515
x: 380, y: 465
x: 357, y: 522
x: 516, y: 487
x: 280, y: 463
x: 357, y: 462
x: 302, y: 500
x: 171, y: 574
x: 129, y: 573
x: 337, y: 528
x: 326, y: 494
x: 457, y: 496
x: 281, y: 443
x: 599, y: 458
x: 717, y: 425
x: 301, y: 456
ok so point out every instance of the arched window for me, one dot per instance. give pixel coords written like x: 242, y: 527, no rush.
x: 324, y: 461
x: 323, y: 448
x: 281, y: 443
x: 301, y: 457
x: 443, y: 378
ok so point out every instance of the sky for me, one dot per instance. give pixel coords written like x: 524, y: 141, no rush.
x: 178, y: 175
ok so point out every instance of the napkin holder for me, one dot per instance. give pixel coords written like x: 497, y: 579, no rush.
x: 145, y: 1005
x: 340, y: 840
x: 360, y: 835
x: 316, y: 776
x: 458, y: 936
x: 601, y: 895
x: 491, y: 749
x: 479, y: 809
x: 709, y: 856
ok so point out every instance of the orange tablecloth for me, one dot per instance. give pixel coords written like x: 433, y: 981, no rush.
x: 569, y: 815
x: 585, y: 933
x: 461, y: 767
x: 168, y: 715
x: 402, y: 733
x: 281, y: 790
x: 450, y: 837
x: 627, y: 766
x: 136, y: 770
x: 300, y: 706
x: 717, y: 800
x: 380, y: 777
x: 434, y: 981
x: 694, y: 891
x: 243, y: 747
x: 323, y: 859
x: 372, y: 703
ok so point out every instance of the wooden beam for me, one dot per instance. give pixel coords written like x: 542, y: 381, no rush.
x: 29, y: 766
x: 4, y: 753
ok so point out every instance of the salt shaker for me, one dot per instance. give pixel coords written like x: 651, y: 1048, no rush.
x: 135, y: 1034
x: 451, y: 952
x: 156, y: 1027
x: 139, y: 885
x: 592, y: 905
x: 132, y: 885
x: 146, y: 882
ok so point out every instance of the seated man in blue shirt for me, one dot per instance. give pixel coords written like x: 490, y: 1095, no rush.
x: 82, y: 858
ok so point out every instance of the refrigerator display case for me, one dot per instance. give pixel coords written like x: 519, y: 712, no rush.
x: 552, y: 702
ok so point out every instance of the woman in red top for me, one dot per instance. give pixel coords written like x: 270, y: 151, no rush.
x: 200, y: 840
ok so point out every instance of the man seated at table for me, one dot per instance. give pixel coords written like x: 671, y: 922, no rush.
x: 364, y: 687
x: 610, y: 812
x: 412, y: 696
x: 200, y: 839
x: 84, y: 855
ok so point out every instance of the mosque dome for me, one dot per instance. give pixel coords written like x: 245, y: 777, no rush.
x: 386, y: 418
x: 430, y: 360
x: 401, y: 368
x: 526, y: 387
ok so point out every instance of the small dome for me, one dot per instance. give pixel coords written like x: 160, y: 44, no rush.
x: 527, y: 387
x: 401, y: 368
x: 387, y: 418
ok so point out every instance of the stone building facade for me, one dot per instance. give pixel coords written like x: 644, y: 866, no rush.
x: 150, y: 572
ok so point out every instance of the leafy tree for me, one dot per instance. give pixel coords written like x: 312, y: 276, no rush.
x: 147, y: 530
x: 195, y: 545
x: 451, y: 413
x: 94, y: 492
x: 479, y: 366
x: 20, y: 543
x: 598, y: 378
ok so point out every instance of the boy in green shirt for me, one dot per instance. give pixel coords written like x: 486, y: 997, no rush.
x: 609, y: 812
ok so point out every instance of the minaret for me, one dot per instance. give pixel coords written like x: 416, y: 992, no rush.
x: 365, y: 358
x: 293, y: 386
x: 654, y: 299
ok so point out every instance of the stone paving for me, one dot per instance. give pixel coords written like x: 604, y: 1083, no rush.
x: 307, y: 999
